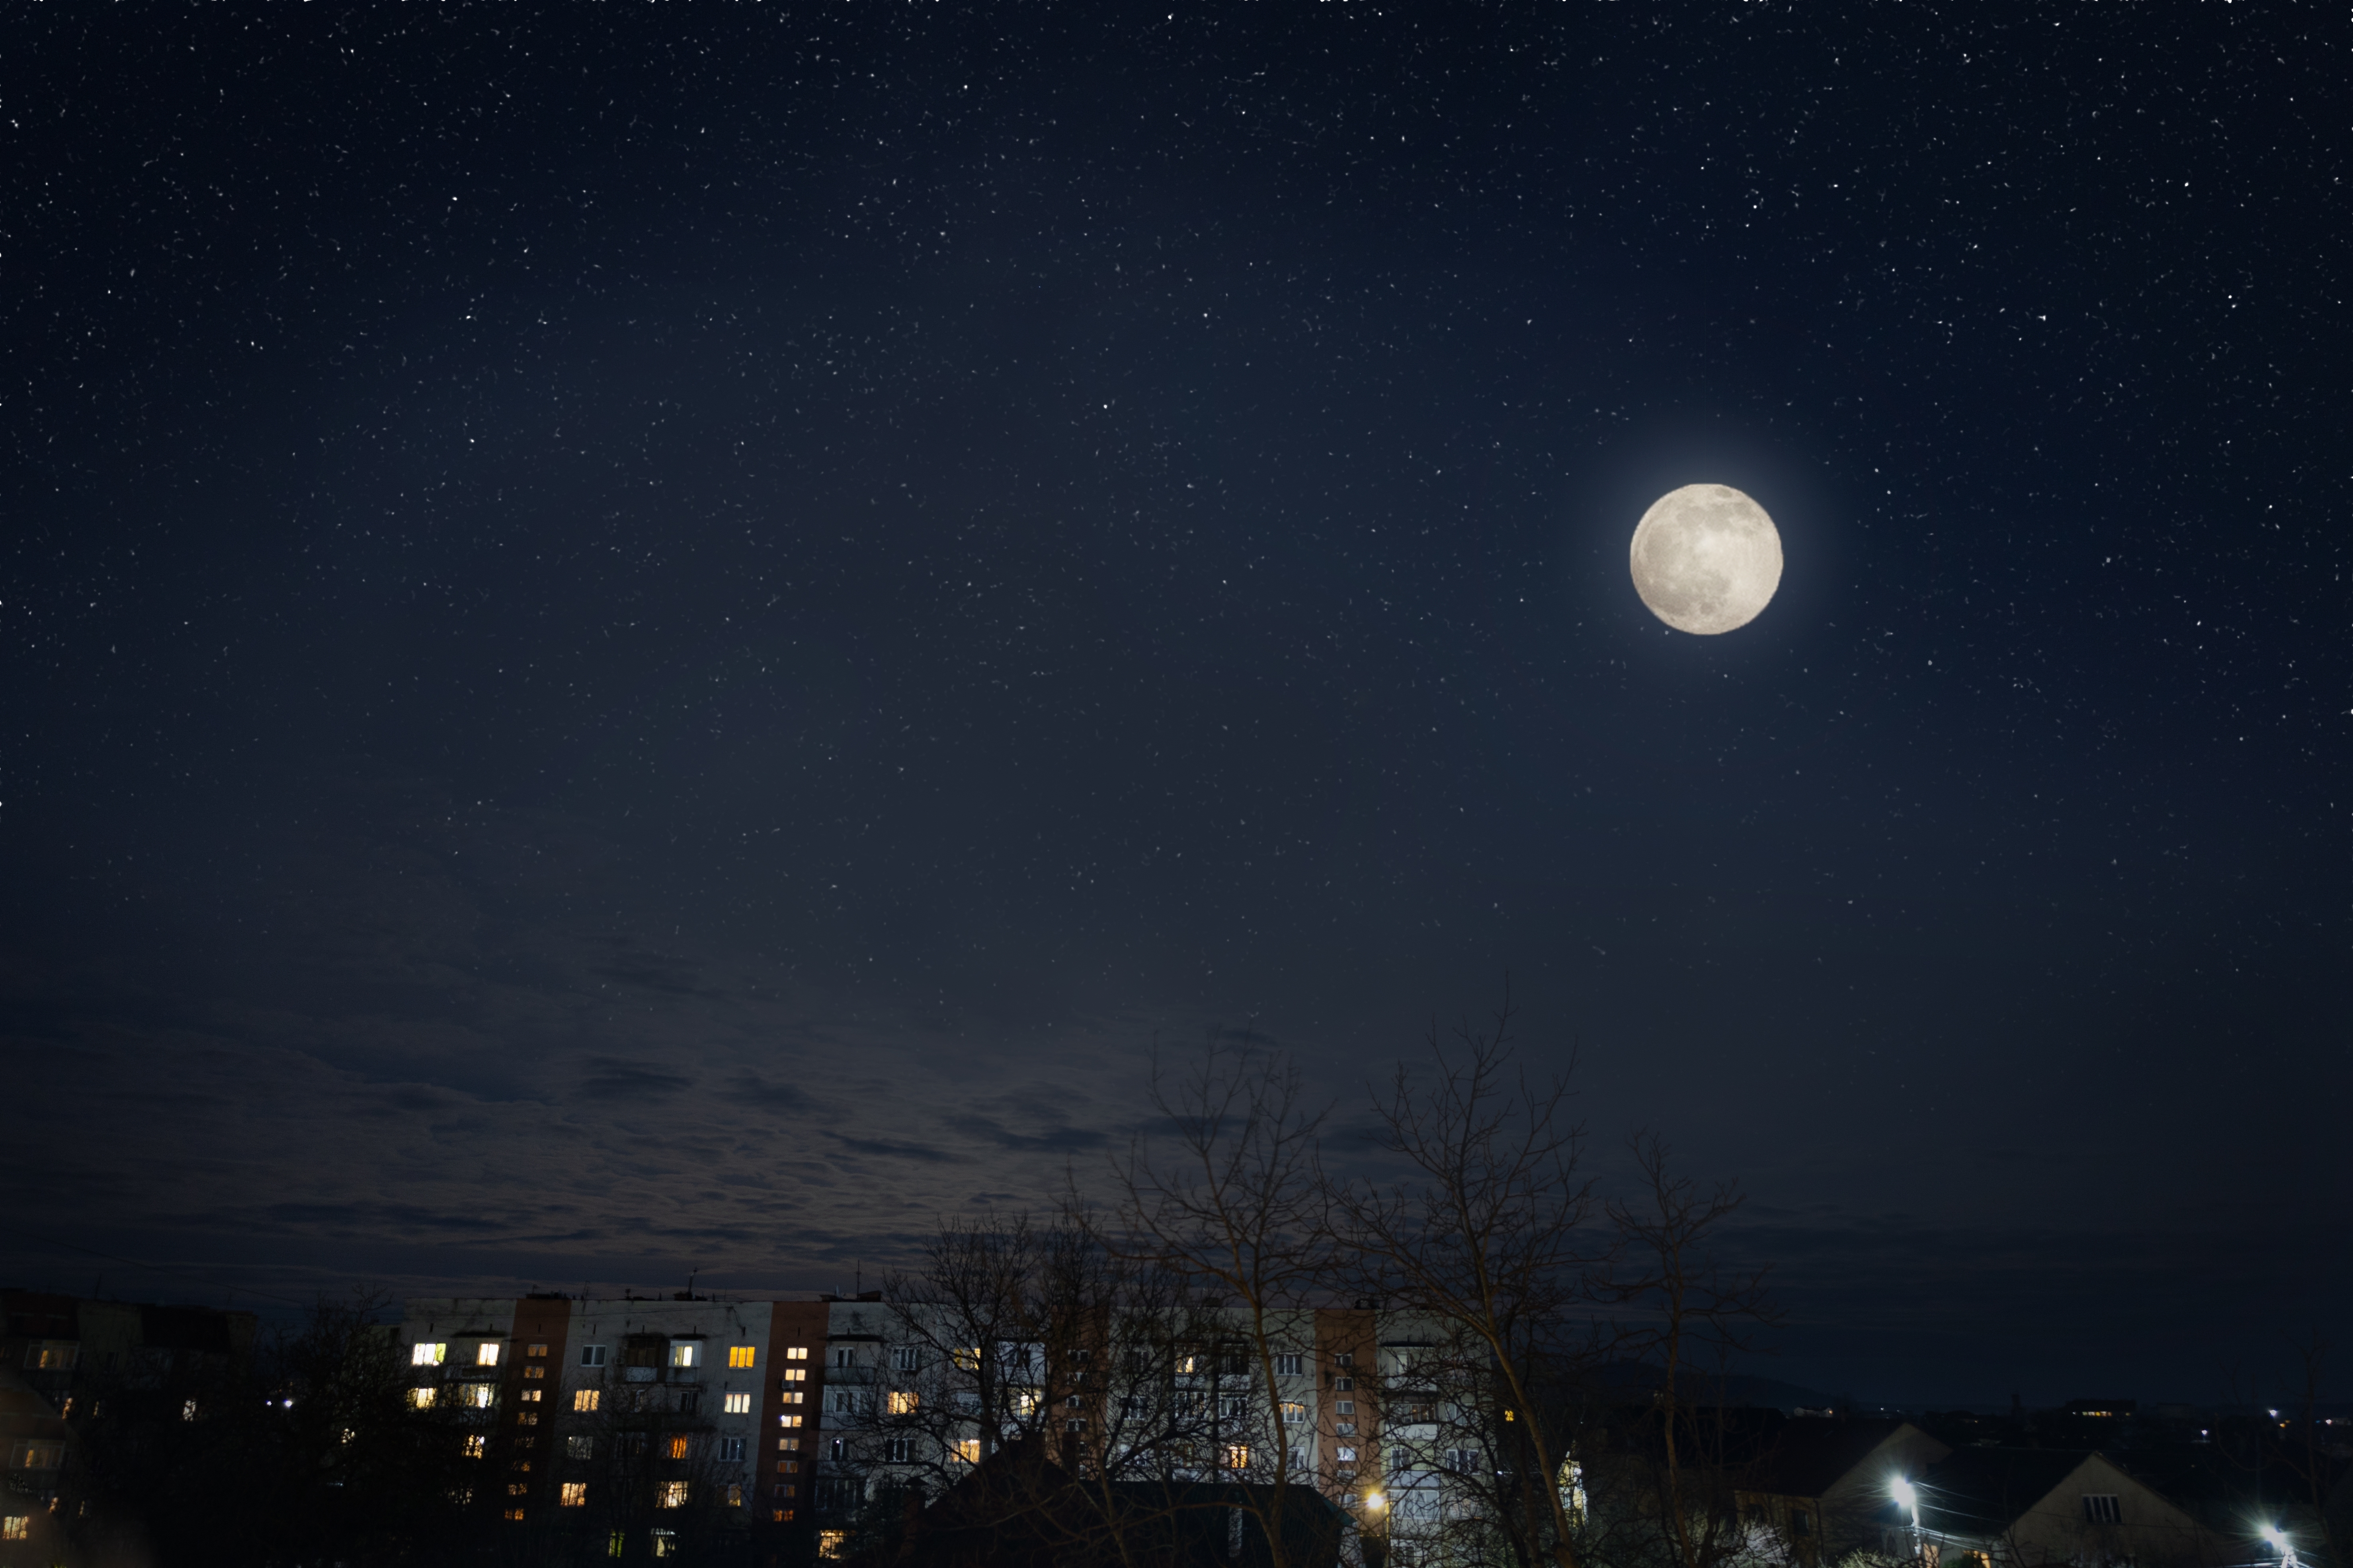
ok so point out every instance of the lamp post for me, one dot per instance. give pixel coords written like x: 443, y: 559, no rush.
x: 1907, y: 1496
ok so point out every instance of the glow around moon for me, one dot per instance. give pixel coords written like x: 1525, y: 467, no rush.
x: 1706, y: 559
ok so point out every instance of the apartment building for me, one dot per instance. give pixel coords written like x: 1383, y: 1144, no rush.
x: 791, y: 1412
x: 62, y: 1360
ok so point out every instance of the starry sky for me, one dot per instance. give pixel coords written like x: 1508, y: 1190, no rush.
x: 642, y: 640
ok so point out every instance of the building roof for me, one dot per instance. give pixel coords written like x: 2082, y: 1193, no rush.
x: 1983, y: 1491
x: 1807, y: 1456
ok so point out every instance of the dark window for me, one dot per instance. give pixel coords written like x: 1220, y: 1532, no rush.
x: 1800, y: 1522
x: 2103, y: 1508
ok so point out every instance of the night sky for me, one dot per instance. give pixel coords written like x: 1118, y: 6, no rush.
x: 641, y: 639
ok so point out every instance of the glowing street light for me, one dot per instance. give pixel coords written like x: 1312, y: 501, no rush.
x: 2278, y: 1539
x: 1907, y: 1496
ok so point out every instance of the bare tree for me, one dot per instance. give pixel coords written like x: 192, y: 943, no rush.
x: 1232, y: 1206
x: 1695, y: 1316
x: 1488, y: 1239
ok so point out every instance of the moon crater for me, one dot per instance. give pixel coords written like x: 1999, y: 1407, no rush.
x: 1706, y: 559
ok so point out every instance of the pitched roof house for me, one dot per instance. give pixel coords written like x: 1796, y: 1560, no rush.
x: 2025, y: 1507
x: 1821, y: 1486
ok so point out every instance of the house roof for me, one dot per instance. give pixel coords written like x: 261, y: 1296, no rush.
x: 1980, y: 1491
x: 1807, y: 1456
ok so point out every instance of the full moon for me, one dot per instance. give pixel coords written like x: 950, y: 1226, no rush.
x: 1706, y: 559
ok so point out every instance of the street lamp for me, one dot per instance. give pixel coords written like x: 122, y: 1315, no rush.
x: 1907, y: 1496
x: 2279, y: 1540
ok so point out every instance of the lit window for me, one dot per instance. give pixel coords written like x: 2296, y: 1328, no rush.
x: 515, y: 1515
x: 586, y: 1398
x: 479, y: 1396
x: 1238, y: 1455
x: 54, y: 1355
x: 831, y: 1542
x: 738, y: 1403
x: 795, y: 1374
x: 573, y: 1494
x: 789, y: 1444
x: 673, y: 1494
x: 477, y: 1445
x: 534, y: 1372
x: 686, y: 1353
x: 537, y: 1349
x: 16, y: 1527
x: 187, y: 1410
x: 580, y: 1448
x: 734, y: 1494
x: 969, y: 1450
x: 423, y: 1355
x: 788, y: 1420
x: 38, y: 1456
x: 902, y: 1401
x: 797, y: 1353
x: 678, y: 1446
x: 965, y: 1357
x: 1347, y: 1456
x: 532, y: 1396
x: 1294, y: 1412
x: 487, y: 1353
x: 518, y: 1488
x: 665, y: 1544
x: 741, y: 1355
x: 592, y: 1355
x: 422, y: 1398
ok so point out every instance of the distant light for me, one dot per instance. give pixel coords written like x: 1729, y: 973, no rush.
x: 1375, y: 1499
x: 2272, y: 1534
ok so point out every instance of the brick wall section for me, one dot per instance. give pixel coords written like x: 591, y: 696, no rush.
x: 528, y: 1425
x: 1346, y: 1332
x: 786, y: 1477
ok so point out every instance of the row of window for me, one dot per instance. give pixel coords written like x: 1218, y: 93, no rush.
x: 682, y: 1354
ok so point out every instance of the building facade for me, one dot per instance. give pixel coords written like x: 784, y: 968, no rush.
x: 665, y: 1415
